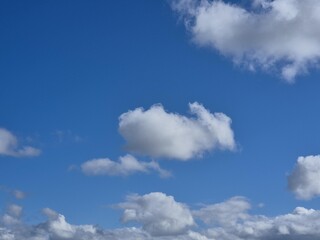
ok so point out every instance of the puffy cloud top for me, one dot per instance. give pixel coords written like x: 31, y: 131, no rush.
x: 304, y: 179
x: 160, y: 214
x: 157, y: 133
x: 163, y: 218
x: 280, y: 34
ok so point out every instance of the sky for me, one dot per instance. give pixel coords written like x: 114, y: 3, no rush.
x: 167, y: 119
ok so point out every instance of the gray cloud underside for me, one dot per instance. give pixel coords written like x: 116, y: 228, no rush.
x: 159, y: 216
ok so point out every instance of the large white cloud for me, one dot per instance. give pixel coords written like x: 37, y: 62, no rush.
x: 157, y: 133
x: 304, y: 180
x: 271, y: 34
x: 126, y: 165
x: 162, y: 218
x: 9, y: 146
x: 159, y: 214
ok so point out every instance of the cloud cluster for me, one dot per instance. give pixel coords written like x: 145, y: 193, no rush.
x: 271, y: 34
x: 162, y: 218
x: 9, y: 146
x: 126, y: 165
x: 304, y: 179
x: 157, y: 133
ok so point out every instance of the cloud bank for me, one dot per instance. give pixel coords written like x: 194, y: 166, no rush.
x: 271, y: 34
x: 126, y: 165
x: 157, y: 133
x: 161, y: 217
x: 303, y: 181
x: 9, y: 146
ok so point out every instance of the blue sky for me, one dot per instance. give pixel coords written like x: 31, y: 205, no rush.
x: 70, y: 69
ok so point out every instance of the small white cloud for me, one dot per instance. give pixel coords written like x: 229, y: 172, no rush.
x: 126, y: 165
x: 303, y: 181
x: 159, y: 214
x: 157, y: 133
x: 272, y: 34
x: 9, y: 146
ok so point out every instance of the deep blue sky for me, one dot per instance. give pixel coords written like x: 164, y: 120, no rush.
x: 77, y: 66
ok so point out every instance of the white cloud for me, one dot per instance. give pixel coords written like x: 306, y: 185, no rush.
x: 162, y: 218
x: 159, y: 214
x: 157, y: 133
x: 227, y: 212
x: 304, y: 179
x: 9, y: 146
x: 272, y: 34
x: 126, y: 165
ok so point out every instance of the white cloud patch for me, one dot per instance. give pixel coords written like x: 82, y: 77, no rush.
x: 272, y: 34
x: 227, y: 212
x: 157, y: 133
x: 304, y: 179
x: 126, y: 165
x: 9, y: 146
x: 159, y: 214
x: 163, y: 218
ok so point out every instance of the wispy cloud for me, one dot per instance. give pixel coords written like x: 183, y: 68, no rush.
x: 271, y: 34
x: 159, y: 216
x: 9, y: 146
x: 127, y: 165
x: 18, y: 194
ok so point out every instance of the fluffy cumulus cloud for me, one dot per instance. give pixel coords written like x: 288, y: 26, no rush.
x: 304, y: 179
x: 157, y: 133
x: 9, y: 146
x: 161, y: 217
x: 126, y: 165
x: 270, y: 34
x: 159, y: 214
